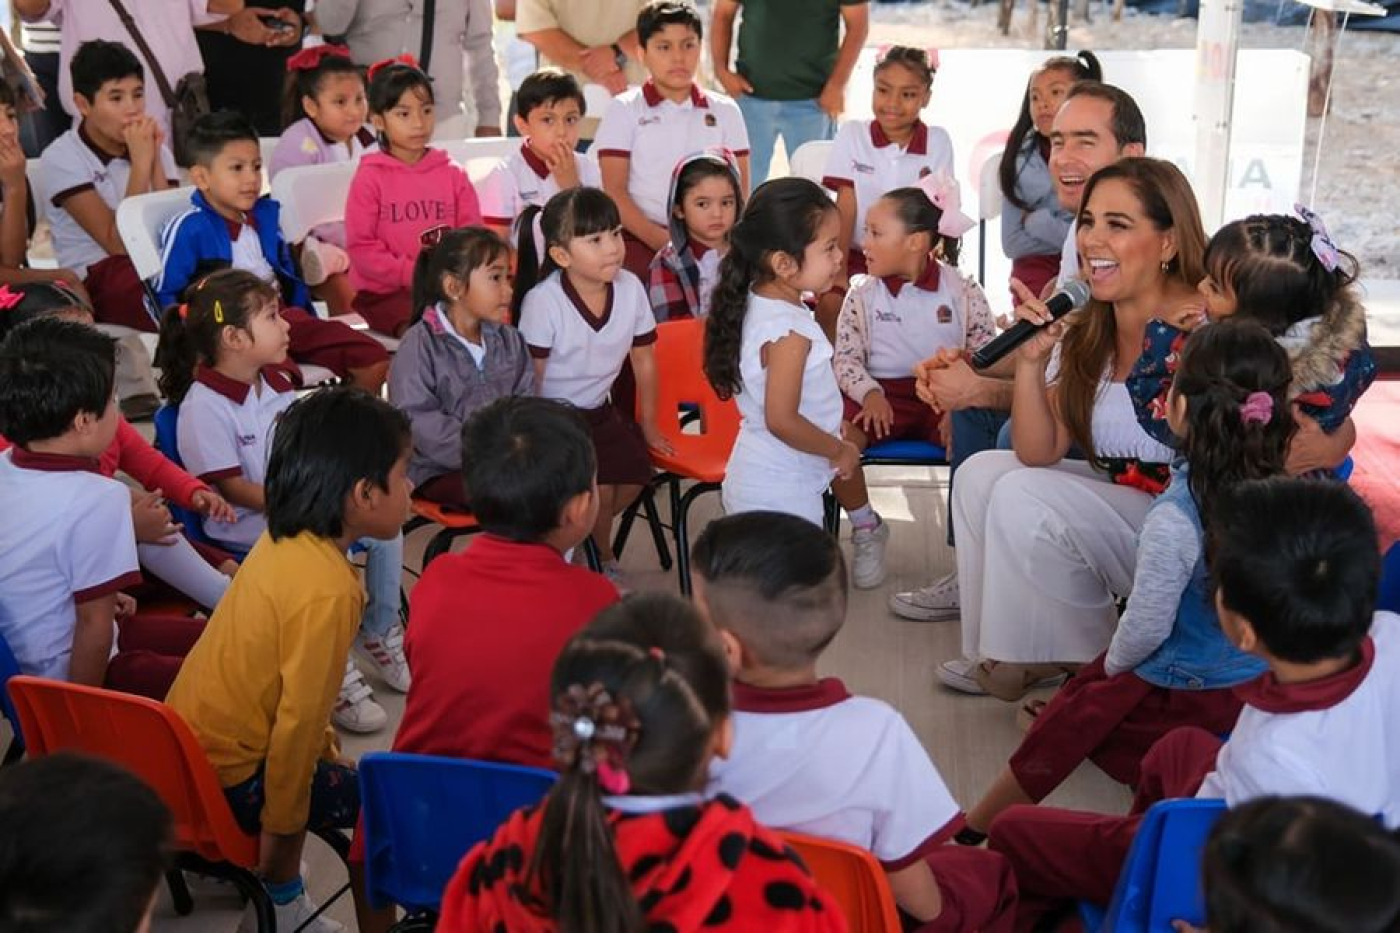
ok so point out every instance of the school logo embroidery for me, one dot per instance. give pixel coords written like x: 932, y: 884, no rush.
x: 247, y: 440
x: 710, y: 120
x: 888, y: 316
x: 862, y: 167
x: 647, y: 120
x: 945, y: 314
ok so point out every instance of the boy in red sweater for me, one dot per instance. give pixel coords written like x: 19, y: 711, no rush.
x: 486, y: 624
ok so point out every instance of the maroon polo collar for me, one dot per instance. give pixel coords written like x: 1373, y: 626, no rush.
x: 653, y: 97
x: 537, y: 165
x: 52, y: 463
x: 237, y: 392
x: 918, y: 143
x: 363, y: 136
x: 103, y: 155
x: 575, y: 299
x: 1266, y: 694
x: 824, y: 693
x: 235, y: 228
x: 927, y: 280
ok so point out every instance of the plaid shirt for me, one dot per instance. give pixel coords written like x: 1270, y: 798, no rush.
x: 674, y: 295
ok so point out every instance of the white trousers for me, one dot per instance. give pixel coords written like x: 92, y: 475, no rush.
x: 1043, y: 554
x: 181, y: 566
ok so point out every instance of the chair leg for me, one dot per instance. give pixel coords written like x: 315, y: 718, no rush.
x: 831, y: 514
x: 14, y: 753
x: 591, y: 555
x: 628, y: 516
x: 681, y: 522
x: 658, y: 530
x: 179, y: 892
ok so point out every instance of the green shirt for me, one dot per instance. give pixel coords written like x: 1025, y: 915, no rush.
x: 787, y: 48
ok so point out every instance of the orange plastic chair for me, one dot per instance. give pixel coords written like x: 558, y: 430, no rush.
x: 153, y: 742
x: 700, y: 458
x: 853, y: 879
x: 454, y: 524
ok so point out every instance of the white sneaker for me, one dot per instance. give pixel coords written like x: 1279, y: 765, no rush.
x: 385, y: 655
x: 355, y: 709
x: 938, y: 600
x: 960, y: 674
x: 868, y: 564
x: 291, y: 917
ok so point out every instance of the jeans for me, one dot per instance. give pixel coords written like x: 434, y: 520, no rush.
x: 383, y: 577
x: 797, y: 121
x: 975, y: 430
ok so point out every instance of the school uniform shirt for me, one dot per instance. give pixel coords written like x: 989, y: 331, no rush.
x: 72, y: 164
x: 226, y: 430
x: 487, y: 625
x: 439, y: 379
x: 889, y: 325
x: 258, y: 687
x: 1333, y: 738
x: 584, y: 353
x: 760, y: 459
x: 654, y: 133
x: 521, y: 180
x: 817, y: 760
x: 67, y: 539
x: 389, y: 206
x: 865, y: 159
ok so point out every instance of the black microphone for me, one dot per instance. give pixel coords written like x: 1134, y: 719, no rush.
x: 1074, y: 294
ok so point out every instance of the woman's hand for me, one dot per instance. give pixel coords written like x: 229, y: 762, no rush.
x: 212, y: 505
x: 1036, y: 351
x: 876, y: 415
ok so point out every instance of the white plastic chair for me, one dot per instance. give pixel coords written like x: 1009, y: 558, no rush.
x: 596, y: 100
x: 989, y: 200
x: 265, y: 146
x: 809, y: 161
x: 311, y: 195
x: 37, y: 194
x: 140, y: 220
x: 463, y: 151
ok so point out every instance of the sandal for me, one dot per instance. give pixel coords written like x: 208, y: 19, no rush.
x: 1011, y: 681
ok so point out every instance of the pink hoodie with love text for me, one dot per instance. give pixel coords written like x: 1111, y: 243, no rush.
x: 389, y: 206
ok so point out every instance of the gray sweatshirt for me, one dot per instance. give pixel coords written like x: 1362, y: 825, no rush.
x: 380, y: 29
x: 1041, y: 230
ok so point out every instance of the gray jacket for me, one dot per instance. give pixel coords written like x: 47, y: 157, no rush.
x: 380, y: 29
x: 436, y: 382
x: 1042, y: 230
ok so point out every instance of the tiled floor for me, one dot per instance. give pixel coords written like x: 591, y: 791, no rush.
x: 876, y: 654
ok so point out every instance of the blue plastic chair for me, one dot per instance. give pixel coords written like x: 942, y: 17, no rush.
x: 422, y: 813
x: 1161, y: 880
x: 9, y: 667
x: 1389, y: 598
x: 885, y: 453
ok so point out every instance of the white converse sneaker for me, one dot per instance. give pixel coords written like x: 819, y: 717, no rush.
x: 868, y: 564
x: 292, y: 917
x: 938, y: 600
x: 355, y: 709
x: 385, y: 655
x: 960, y: 674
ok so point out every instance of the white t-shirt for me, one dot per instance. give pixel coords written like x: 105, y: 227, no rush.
x: 760, y: 458
x: 584, y: 353
x: 226, y: 430
x: 72, y: 164
x: 522, y: 180
x: 817, y: 760
x: 863, y: 157
x: 655, y: 133
x: 1069, y: 258
x: 67, y: 538
x: 1338, y: 739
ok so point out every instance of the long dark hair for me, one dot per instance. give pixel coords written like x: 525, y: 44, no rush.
x: 918, y: 214
x: 651, y: 678
x: 1233, y: 433
x: 190, y: 332
x: 1084, y: 66
x: 782, y: 216
x: 456, y: 253
x: 573, y: 212
x: 306, y: 82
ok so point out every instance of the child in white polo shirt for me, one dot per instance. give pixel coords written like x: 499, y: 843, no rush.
x: 220, y: 356
x: 548, y: 109
x: 116, y: 151
x: 1295, y: 569
x: 67, y: 546
x: 808, y: 756
x: 894, y: 150
x: 647, y: 130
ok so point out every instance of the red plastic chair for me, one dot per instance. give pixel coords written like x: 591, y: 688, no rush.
x: 152, y: 741
x: 853, y: 879
x: 700, y: 458
x: 453, y: 523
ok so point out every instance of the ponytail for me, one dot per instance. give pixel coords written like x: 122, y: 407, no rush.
x: 190, y: 332
x: 176, y: 356
x: 530, y: 267
x: 724, y: 326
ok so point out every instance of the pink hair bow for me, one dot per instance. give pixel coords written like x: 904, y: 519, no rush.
x: 1258, y: 408
x: 9, y: 298
x: 312, y: 56
x: 942, y: 190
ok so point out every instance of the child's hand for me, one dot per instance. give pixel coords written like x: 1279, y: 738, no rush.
x: 1181, y: 926
x: 12, y: 164
x: 846, y: 461
x: 140, y: 138
x: 126, y: 606
x: 228, y: 568
x: 562, y: 164
x: 656, y: 440
x: 1188, y: 315
x: 209, y: 503
x: 151, y: 519
x: 876, y: 415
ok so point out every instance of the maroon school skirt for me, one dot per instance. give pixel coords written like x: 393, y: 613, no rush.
x: 1034, y: 272
x: 638, y: 258
x: 386, y: 313
x: 118, y: 295
x: 333, y: 344
x: 913, y: 420
x: 618, y: 444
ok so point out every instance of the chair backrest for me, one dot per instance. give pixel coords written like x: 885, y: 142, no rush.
x: 1389, y: 598
x: 9, y: 667
x: 1161, y: 880
x: 422, y: 813
x: 140, y: 220
x: 311, y: 195
x: 149, y: 739
x: 462, y: 151
x: 809, y: 161
x: 38, y: 196
x: 853, y: 879
x: 266, y: 144
x: 989, y: 196
x: 681, y: 385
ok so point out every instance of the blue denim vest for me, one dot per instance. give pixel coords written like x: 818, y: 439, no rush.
x: 1196, y: 655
